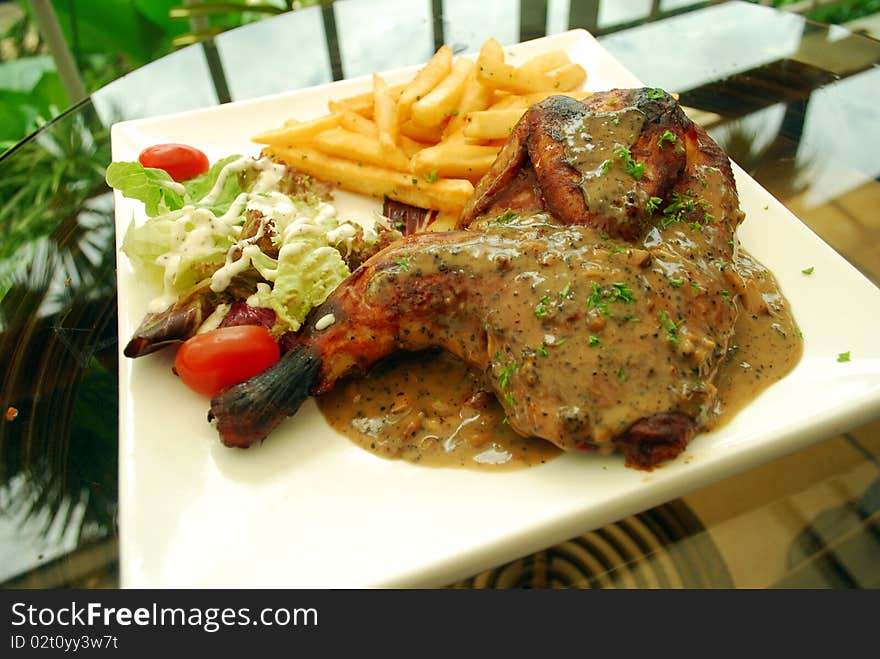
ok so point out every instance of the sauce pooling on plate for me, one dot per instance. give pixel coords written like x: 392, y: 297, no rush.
x: 430, y: 408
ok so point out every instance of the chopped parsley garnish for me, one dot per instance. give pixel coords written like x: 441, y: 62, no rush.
x: 682, y: 204
x: 676, y: 282
x: 506, y: 216
x: 565, y: 292
x: 668, y: 136
x: 617, y: 249
x: 656, y: 93
x: 430, y: 177
x: 504, y: 375
x: 593, y: 341
x: 633, y: 168
x: 561, y: 341
x: 504, y: 379
x: 620, y: 291
x: 621, y: 374
x: 653, y: 204
x: 415, y: 181
x: 843, y: 356
x: 595, y: 300
x: 808, y: 271
x: 724, y: 294
x: 402, y: 261
x: 617, y: 292
x: 695, y: 285
x: 541, y: 310
x: 670, y: 327
x: 542, y: 351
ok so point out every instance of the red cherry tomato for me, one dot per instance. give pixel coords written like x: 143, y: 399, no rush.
x: 182, y: 162
x: 210, y: 362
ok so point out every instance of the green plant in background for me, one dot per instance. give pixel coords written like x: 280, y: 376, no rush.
x: 834, y: 12
x: 208, y: 19
x: 108, y: 38
x: 57, y: 331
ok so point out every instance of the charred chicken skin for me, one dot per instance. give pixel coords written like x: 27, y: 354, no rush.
x: 592, y: 280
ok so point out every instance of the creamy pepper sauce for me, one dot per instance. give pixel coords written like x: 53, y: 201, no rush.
x: 432, y: 409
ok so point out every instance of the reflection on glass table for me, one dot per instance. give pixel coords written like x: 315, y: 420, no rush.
x: 796, y: 113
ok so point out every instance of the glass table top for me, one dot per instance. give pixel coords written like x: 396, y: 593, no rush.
x: 794, y: 103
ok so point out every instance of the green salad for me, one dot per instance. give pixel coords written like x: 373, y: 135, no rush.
x: 243, y: 220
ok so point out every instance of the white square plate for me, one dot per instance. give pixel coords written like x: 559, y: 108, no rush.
x: 310, y: 509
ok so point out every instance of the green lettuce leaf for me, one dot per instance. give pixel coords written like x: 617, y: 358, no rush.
x: 197, y: 247
x: 161, y: 194
x: 305, y: 277
x: 201, y: 185
x: 154, y: 187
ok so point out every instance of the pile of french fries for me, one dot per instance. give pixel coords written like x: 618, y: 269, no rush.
x: 428, y: 141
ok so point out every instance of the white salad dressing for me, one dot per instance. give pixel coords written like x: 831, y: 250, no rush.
x: 325, y: 321
x: 174, y: 186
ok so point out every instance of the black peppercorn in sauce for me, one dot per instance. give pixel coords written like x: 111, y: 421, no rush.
x: 586, y: 335
x: 596, y: 148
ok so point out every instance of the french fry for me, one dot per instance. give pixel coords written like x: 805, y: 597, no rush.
x: 475, y: 97
x: 491, y: 124
x: 430, y: 75
x: 298, y: 131
x: 506, y: 100
x: 359, y: 124
x: 513, y: 80
x: 446, y: 194
x: 439, y: 104
x: 454, y: 160
x: 568, y: 77
x: 427, y: 134
x: 546, y: 62
x: 362, y: 104
x: 361, y: 148
x: 443, y: 221
x: 410, y: 146
x: 491, y: 54
x: 494, y: 72
x: 425, y: 142
x: 385, y: 112
x: 497, y: 122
